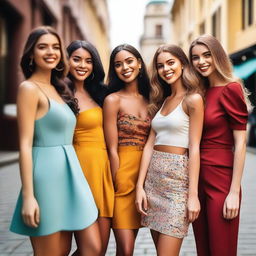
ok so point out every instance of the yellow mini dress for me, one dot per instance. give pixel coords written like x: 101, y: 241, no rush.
x: 90, y: 147
x: 132, y: 136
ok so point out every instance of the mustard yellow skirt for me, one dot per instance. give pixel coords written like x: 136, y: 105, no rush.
x: 94, y: 161
x: 125, y: 213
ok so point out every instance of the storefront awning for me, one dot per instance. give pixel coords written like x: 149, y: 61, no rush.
x: 245, y: 69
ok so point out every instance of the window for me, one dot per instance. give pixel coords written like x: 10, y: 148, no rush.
x: 216, y: 18
x: 159, y: 31
x: 247, y: 13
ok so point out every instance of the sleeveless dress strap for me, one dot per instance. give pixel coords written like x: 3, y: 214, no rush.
x: 42, y: 92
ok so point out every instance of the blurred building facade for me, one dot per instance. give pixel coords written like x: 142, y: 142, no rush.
x: 157, y: 28
x: 73, y: 19
x: 232, y: 22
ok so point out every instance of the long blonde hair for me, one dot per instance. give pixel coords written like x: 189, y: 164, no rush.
x: 221, y: 61
x: 159, y: 88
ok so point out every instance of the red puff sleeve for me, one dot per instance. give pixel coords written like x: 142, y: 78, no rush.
x: 232, y: 100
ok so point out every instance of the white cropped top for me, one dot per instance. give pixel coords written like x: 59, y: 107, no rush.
x: 172, y: 129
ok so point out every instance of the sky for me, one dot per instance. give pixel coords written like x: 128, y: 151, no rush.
x: 126, y: 21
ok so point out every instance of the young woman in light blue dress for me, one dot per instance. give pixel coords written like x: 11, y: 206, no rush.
x: 55, y: 199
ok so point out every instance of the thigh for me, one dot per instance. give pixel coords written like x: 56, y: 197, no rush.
x: 58, y: 244
x: 125, y: 240
x: 88, y: 240
x: 168, y: 245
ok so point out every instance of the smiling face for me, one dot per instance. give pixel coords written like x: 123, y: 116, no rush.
x: 127, y: 66
x: 202, y: 60
x: 47, y: 52
x: 169, y: 67
x: 81, y: 65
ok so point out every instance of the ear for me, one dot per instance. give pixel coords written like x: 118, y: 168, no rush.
x: 140, y: 64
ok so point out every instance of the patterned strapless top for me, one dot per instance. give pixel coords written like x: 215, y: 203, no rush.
x: 132, y: 131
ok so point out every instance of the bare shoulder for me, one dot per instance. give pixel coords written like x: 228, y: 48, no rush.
x: 27, y: 90
x: 194, y: 100
x: 112, y: 98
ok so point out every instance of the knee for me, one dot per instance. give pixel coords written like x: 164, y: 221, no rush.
x: 92, y: 249
x: 125, y: 251
x: 66, y: 250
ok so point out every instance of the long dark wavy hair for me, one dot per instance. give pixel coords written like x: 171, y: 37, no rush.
x: 94, y: 83
x: 115, y: 83
x: 28, y: 65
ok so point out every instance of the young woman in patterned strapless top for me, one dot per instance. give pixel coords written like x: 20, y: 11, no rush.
x: 126, y: 126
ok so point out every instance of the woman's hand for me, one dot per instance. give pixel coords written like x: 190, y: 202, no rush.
x: 231, y: 206
x: 193, y: 208
x: 30, y: 212
x: 141, y: 201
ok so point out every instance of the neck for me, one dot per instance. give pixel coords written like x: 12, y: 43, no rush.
x: 79, y: 86
x: 177, y: 88
x: 215, y: 80
x: 132, y: 88
x: 42, y: 76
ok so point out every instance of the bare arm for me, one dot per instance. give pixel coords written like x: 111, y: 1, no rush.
x: 141, y: 199
x: 231, y: 204
x: 110, y: 112
x: 196, y: 113
x: 27, y: 106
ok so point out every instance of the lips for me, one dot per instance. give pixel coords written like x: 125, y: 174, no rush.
x: 81, y: 72
x: 204, y: 68
x: 50, y: 60
x: 127, y: 74
x: 169, y: 75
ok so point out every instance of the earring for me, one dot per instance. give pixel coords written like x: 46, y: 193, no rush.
x: 31, y: 64
x: 92, y: 76
x: 59, y: 69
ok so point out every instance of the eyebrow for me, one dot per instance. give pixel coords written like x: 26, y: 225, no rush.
x: 130, y: 57
x: 76, y: 56
x: 165, y: 61
x: 43, y: 44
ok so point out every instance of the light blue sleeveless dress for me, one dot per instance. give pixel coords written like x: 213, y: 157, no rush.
x: 60, y: 188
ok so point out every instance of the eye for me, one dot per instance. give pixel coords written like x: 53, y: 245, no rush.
x: 195, y: 58
x: 129, y: 61
x: 56, y: 47
x: 159, y: 66
x: 117, y: 65
x: 207, y: 55
x: 89, y: 61
x: 75, y: 59
x: 170, y: 63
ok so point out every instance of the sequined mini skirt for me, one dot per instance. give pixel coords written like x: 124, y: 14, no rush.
x: 166, y: 187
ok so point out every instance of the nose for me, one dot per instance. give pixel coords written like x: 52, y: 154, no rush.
x: 201, y: 60
x: 50, y: 50
x: 166, y: 67
x: 82, y: 63
x: 125, y: 66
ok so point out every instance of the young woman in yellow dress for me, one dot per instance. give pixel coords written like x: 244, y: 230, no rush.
x: 86, y: 76
x: 126, y: 126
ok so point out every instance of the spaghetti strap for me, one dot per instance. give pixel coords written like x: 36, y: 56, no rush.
x: 42, y: 92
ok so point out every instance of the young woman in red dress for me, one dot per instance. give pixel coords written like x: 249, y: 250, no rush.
x: 223, y: 148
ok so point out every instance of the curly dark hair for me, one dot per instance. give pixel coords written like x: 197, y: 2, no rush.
x: 58, y: 74
x: 94, y: 83
x: 115, y: 83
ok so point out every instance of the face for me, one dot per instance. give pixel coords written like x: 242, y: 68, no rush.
x: 80, y: 63
x: 202, y: 60
x: 47, y: 52
x: 127, y: 66
x: 169, y: 67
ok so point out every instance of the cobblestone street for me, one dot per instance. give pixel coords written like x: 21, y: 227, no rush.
x: 11, y: 244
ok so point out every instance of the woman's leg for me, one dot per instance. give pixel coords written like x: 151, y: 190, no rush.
x: 104, y: 226
x: 125, y: 240
x: 155, y: 236
x: 58, y: 244
x: 88, y: 241
x: 168, y: 245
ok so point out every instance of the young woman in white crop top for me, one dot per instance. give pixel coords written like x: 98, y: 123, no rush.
x: 166, y: 193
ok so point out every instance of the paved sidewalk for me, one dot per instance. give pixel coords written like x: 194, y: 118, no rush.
x: 12, y: 244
